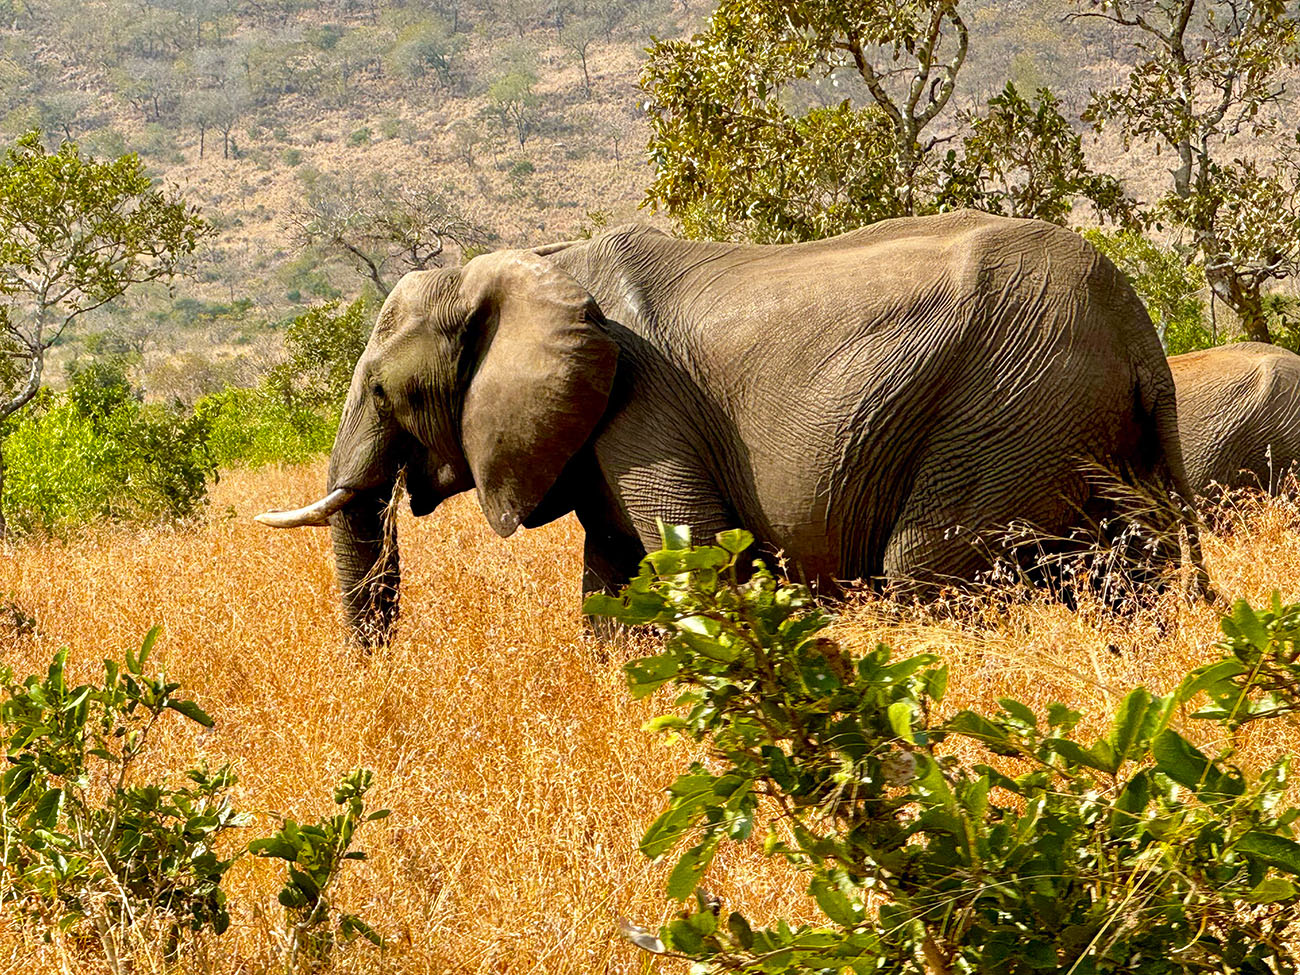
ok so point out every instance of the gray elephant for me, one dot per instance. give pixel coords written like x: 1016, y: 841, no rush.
x: 1238, y: 414
x: 879, y: 405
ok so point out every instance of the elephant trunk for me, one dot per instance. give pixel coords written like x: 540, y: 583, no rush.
x: 369, y: 574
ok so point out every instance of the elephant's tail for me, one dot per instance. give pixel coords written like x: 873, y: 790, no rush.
x: 1173, y: 513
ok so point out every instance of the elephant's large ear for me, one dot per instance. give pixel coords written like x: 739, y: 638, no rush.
x: 540, y: 384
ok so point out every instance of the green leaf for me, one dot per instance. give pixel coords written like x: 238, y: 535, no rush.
x: 900, y: 719
x: 689, y: 870
x: 1208, y: 676
x: 1189, y: 767
x: 834, y: 904
x: 980, y: 728
x: 740, y: 930
x: 936, y: 683
x: 667, y: 830
x: 1127, y: 729
x: 675, y: 537
x: 1249, y: 625
x: 274, y: 846
x: 1076, y: 754
x: 647, y: 675
x: 1270, y: 890
x: 1018, y: 711
x: 735, y: 541
x: 1276, y: 851
x: 146, y: 647
x: 192, y: 711
x: 46, y: 813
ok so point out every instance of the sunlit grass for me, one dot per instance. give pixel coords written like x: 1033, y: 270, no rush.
x: 501, y: 735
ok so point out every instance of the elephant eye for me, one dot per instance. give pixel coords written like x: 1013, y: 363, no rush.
x: 378, y: 390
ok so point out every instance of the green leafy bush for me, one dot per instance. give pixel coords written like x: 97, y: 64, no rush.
x: 89, y: 840
x: 1168, y: 285
x: 1136, y: 852
x: 315, y: 855
x: 83, y: 839
x: 97, y: 452
x: 253, y: 427
x: 294, y: 414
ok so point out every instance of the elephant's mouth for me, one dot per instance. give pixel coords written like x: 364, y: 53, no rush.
x: 423, y: 494
x: 422, y: 505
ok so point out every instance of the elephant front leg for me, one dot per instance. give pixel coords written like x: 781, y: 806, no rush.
x: 609, y: 561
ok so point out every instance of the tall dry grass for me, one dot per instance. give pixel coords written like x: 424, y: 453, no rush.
x: 501, y: 735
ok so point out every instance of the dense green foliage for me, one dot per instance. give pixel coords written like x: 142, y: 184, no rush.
x: 783, y: 122
x: 1138, y: 851
x: 89, y: 838
x: 97, y: 452
x: 75, y: 234
x: 1026, y: 160
x: 1168, y: 285
x: 292, y: 416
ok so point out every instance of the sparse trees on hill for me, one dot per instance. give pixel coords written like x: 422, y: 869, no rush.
x: 514, y: 104
x: 383, y: 230
x: 578, y: 36
x: 1209, y: 81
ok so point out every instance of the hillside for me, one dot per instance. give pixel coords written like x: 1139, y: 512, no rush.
x: 518, y: 120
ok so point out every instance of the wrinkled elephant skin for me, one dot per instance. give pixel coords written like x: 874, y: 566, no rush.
x: 1238, y: 415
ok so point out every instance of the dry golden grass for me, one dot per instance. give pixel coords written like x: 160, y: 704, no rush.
x: 501, y: 736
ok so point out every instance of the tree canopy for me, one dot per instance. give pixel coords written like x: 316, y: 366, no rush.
x: 1208, y: 84
x: 75, y: 234
x: 783, y: 122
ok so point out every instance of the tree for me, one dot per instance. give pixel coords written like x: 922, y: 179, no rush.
x: 577, y: 36
x: 716, y: 109
x: 76, y: 234
x: 1209, y: 85
x: 514, y: 104
x: 1027, y: 161
x: 382, y: 229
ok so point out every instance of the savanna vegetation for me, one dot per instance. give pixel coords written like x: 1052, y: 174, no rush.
x: 203, y: 204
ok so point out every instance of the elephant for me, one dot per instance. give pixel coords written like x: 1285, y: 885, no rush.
x: 1238, y: 415
x: 875, y: 406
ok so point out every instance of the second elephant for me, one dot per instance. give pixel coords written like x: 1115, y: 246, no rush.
x: 1238, y: 415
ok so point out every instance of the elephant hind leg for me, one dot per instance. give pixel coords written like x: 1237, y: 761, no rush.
x: 930, y: 548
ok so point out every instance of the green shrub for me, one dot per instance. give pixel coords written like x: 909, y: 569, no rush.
x: 294, y: 414
x: 84, y: 840
x: 97, y: 452
x: 359, y: 137
x: 89, y: 840
x: 1168, y: 285
x: 253, y: 427
x: 1282, y: 314
x: 315, y: 856
x: 1136, y: 852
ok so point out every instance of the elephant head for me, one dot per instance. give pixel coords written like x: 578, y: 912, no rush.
x: 489, y: 376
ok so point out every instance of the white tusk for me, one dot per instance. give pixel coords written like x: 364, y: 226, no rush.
x: 314, y: 514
